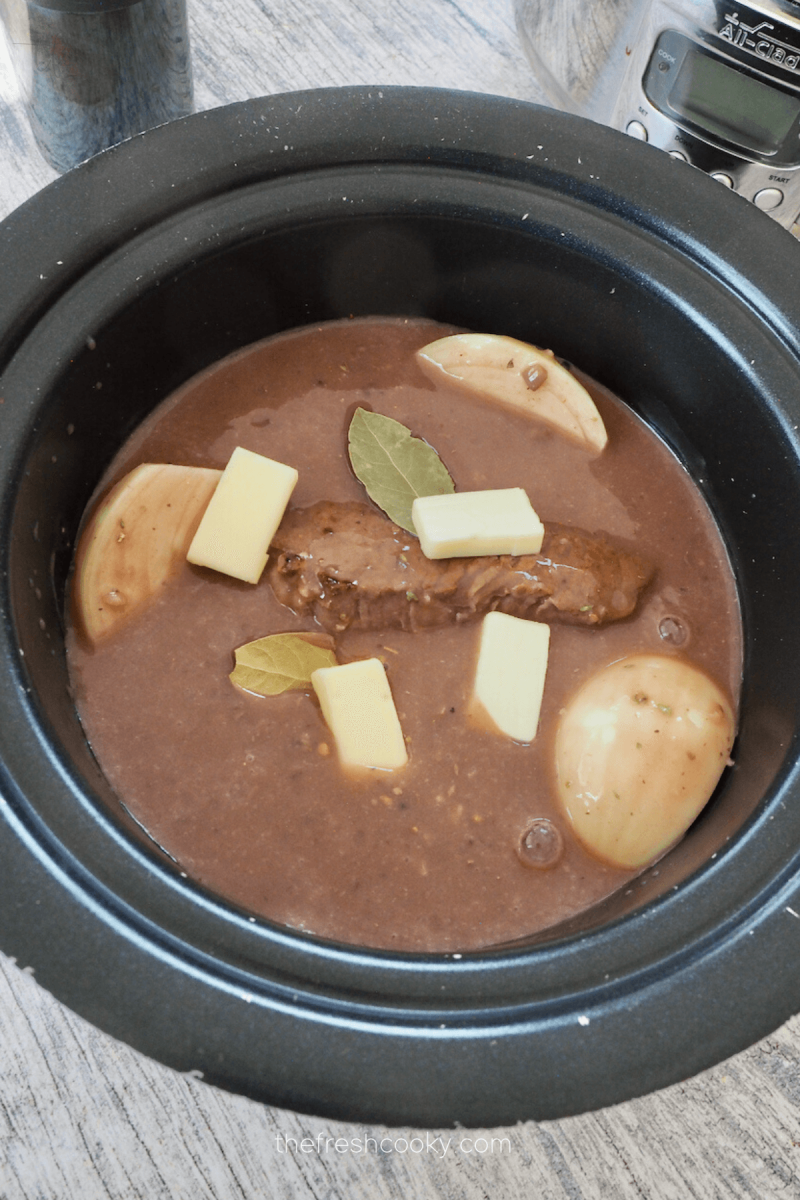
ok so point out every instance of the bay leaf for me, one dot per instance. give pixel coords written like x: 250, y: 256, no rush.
x: 281, y: 662
x: 393, y: 466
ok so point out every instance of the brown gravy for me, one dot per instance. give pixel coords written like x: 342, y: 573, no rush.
x: 245, y: 793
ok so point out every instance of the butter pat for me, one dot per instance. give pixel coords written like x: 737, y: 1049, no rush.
x: 242, y: 516
x: 462, y: 524
x: 509, y: 678
x: 357, y: 704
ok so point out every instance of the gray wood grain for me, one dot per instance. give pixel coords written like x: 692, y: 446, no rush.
x: 82, y: 1115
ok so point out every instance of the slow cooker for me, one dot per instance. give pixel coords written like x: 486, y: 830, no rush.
x: 156, y: 258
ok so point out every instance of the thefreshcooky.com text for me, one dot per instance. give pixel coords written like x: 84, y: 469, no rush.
x: 437, y: 1146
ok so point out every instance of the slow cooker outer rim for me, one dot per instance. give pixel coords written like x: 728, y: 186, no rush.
x: 374, y: 124
x: 452, y: 1107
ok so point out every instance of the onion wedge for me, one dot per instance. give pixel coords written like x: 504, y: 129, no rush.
x: 520, y: 376
x: 138, y: 535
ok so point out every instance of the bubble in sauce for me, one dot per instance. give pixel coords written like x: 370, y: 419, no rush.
x: 672, y: 630
x: 541, y: 845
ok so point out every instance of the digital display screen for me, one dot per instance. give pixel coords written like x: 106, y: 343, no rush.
x: 731, y: 104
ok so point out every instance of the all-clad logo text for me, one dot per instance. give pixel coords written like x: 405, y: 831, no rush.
x: 756, y: 40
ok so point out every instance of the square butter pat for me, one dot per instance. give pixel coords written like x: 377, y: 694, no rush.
x: 242, y: 516
x: 461, y: 524
x: 509, y: 678
x: 357, y: 704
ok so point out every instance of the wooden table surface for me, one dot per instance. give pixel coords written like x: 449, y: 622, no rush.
x: 82, y: 1116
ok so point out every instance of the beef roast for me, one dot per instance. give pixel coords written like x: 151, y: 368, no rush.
x: 349, y: 566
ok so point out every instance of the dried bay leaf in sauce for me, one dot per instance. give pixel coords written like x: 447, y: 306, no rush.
x: 281, y: 662
x: 393, y: 466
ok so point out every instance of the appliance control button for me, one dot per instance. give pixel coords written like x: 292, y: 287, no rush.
x: 722, y: 178
x: 636, y: 129
x: 677, y: 154
x: 768, y: 198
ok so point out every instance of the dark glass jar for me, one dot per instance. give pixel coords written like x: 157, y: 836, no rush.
x: 94, y: 72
